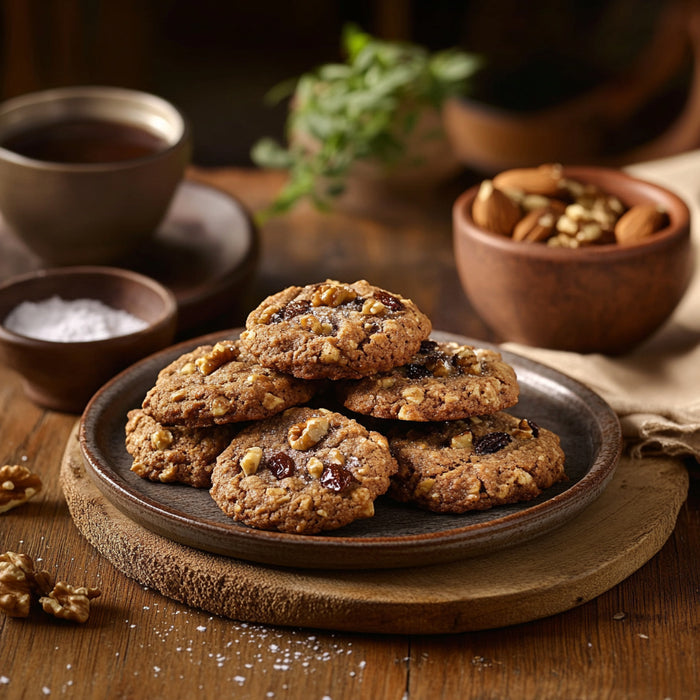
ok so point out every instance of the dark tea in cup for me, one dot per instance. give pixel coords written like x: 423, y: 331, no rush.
x: 84, y: 141
x: 87, y: 173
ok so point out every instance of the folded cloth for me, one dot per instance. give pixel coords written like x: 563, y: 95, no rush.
x: 655, y: 389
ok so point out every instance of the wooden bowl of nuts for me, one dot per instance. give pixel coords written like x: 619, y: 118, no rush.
x: 586, y: 259
x: 66, y: 331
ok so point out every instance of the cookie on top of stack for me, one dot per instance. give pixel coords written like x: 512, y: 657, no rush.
x: 420, y: 420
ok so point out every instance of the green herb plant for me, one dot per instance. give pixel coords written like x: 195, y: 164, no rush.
x: 362, y: 109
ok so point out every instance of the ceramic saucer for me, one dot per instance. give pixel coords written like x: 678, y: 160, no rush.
x: 204, y: 251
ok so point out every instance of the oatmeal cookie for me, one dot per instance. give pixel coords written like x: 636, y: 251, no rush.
x: 214, y: 385
x: 473, y: 464
x: 333, y: 330
x: 303, y: 471
x: 175, y: 453
x: 443, y: 381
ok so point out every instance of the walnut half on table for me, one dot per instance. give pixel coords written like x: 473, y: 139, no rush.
x: 68, y: 602
x: 17, y: 485
x: 19, y: 582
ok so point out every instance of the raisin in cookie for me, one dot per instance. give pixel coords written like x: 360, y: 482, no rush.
x: 304, y: 471
x: 176, y: 453
x: 443, y: 381
x: 475, y: 463
x: 333, y: 330
x: 214, y: 385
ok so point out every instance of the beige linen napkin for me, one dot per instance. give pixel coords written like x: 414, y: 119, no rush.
x: 655, y: 390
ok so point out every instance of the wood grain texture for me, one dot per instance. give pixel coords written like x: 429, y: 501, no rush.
x: 586, y: 556
x: 637, y: 641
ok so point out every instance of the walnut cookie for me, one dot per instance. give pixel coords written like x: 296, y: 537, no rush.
x: 473, y: 464
x: 304, y: 471
x: 443, y: 381
x: 219, y: 384
x: 174, y: 454
x: 333, y: 330
x: 250, y: 419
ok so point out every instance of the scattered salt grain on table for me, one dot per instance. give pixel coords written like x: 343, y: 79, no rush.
x: 67, y: 321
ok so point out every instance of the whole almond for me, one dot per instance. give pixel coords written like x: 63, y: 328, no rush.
x: 546, y: 180
x: 493, y: 210
x: 640, y: 221
x: 539, y: 224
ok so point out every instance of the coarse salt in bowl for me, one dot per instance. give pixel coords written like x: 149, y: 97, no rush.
x: 67, y: 331
x: 72, y: 320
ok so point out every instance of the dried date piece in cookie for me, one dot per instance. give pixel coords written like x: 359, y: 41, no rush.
x: 443, y: 381
x: 475, y: 463
x: 333, y: 330
x: 304, y: 471
x: 174, y: 454
x: 214, y: 385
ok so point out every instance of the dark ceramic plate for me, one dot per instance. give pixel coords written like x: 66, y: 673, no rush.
x: 398, y: 535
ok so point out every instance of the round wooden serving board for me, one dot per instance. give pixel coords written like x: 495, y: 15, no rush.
x: 588, y: 555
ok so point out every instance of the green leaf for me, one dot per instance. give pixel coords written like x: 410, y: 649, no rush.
x: 334, y: 71
x: 268, y: 153
x: 281, y: 91
x: 354, y: 40
x: 360, y: 109
x: 453, y: 65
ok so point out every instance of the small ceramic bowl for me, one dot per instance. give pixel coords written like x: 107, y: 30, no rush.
x: 87, y: 173
x: 604, y: 298
x: 62, y: 376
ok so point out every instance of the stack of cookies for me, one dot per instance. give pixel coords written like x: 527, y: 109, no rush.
x: 332, y: 396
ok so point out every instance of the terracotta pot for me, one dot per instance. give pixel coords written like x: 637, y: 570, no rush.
x: 429, y: 160
x: 585, y: 129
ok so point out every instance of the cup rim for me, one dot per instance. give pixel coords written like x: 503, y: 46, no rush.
x: 67, y: 94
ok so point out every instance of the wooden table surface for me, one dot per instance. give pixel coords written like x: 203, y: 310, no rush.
x: 638, y: 640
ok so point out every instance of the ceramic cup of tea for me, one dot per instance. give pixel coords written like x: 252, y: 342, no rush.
x: 87, y: 173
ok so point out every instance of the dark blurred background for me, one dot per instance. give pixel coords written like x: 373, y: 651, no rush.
x: 216, y: 60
